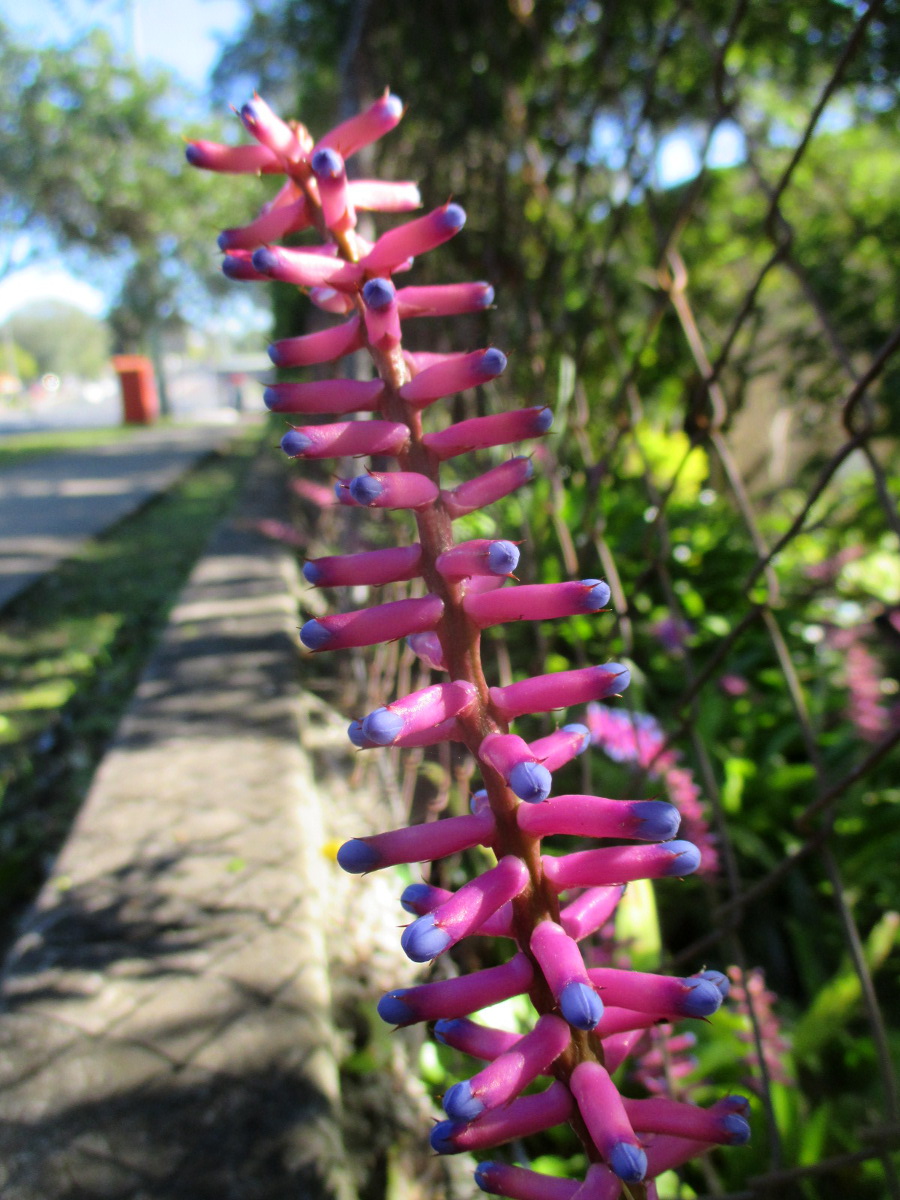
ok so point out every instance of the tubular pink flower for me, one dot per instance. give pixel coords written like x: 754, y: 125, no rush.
x: 618, y: 1046
x: 478, y: 1041
x: 485, y: 489
x: 371, y: 568
x: 270, y: 131
x: 621, y: 1020
x: 324, y: 396
x: 444, y: 299
x: 536, y: 602
x: 233, y: 160
x: 381, y: 314
x: 483, y: 556
x: 509, y: 1073
x: 416, y: 843
x: 329, y: 300
x: 590, y: 911
x: 376, y: 195
x: 620, y: 864
x: 427, y: 647
x: 304, y: 268
x: 415, y: 237
x: 525, y: 1116
x: 664, y: 995
x: 334, y: 193
x: 238, y: 266
x: 269, y: 226
x: 560, y: 747
x: 563, y: 967
x: 364, y: 128
x: 455, y: 374
x: 723, y: 1124
x: 391, y: 489
x: 345, y: 437
x: 604, y: 1114
x: 601, y: 1184
x: 368, y: 626
x: 419, y: 710
x: 597, y: 817
x: 481, y: 432
x: 325, y: 346
x: 457, y: 997
x: 422, y: 898
x: 512, y: 759
x: 544, y: 693
x: 446, y: 731
x: 518, y: 1183
x: 465, y: 911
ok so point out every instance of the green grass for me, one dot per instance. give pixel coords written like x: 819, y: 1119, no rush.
x: 19, y: 447
x: 71, y: 651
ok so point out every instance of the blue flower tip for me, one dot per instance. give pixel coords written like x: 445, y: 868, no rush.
x: 264, y: 259
x: 583, y: 732
x: 314, y: 635
x: 295, y: 443
x: 486, y: 299
x: 657, y: 821
x: 382, y: 726
x: 493, y: 362
x: 721, y: 981
x: 193, y: 154
x: 394, y: 1010
x: 225, y: 239
x: 412, y: 897
x: 531, y: 782
x: 478, y: 801
x: 580, y: 1005
x: 393, y: 106
x: 685, y: 858
x: 378, y: 294
x: 622, y: 677
x: 737, y: 1104
x: 502, y: 557
x: 442, y: 1136
x: 444, y: 1028
x: 627, y: 1161
x: 356, y: 857
x: 454, y: 216
x: 365, y: 489
x: 312, y: 573
x: 326, y: 162
x: 355, y: 729
x: 737, y: 1128
x: 424, y: 939
x: 701, y: 999
x: 483, y: 1173
x: 596, y: 594
x: 460, y: 1104
x: 543, y: 420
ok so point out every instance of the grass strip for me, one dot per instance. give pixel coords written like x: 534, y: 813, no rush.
x: 17, y: 448
x: 71, y: 651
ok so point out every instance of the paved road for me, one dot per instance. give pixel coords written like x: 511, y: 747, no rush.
x: 49, y: 506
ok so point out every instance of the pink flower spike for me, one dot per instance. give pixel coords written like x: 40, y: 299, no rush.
x: 381, y: 315
x: 365, y: 127
x: 559, y: 748
x: 416, y: 843
x: 345, y: 438
x: 377, y: 195
x: 455, y: 374
x: 369, y: 626
x: 478, y: 1041
x: 326, y: 345
x: 324, y: 396
x: 522, y: 1118
x: 391, y: 489
x: 590, y: 911
x: 460, y: 996
x: 270, y: 131
x: 512, y: 759
x: 543, y: 693
x: 486, y: 489
x: 419, y: 710
x: 665, y: 995
x: 427, y: 647
x: 334, y: 195
x: 563, y: 967
x: 604, y: 1113
x: 720, y: 1125
x: 444, y: 299
x: 620, y: 864
x: 233, y: 160
x: 597, y: 817
x: 482, y: 556
x: 465, y: 911
x: 415, y: 237
x: 270, y: 226
x: 518, y: 1183
x: 480, y: 432
x: 371, y: 568
x: 305, y: 268
x: 509, y: 1074
x: 537, y: 602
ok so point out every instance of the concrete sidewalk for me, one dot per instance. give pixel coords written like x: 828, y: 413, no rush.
x: 174, y: 1013
x: 49, y: 506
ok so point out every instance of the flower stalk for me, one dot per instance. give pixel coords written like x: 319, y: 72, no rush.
x: 546, y: 904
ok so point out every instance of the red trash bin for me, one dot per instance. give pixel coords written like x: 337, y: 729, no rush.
x: 140, y: 403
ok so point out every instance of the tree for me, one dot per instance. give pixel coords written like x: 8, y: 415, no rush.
x: 61, y: 339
